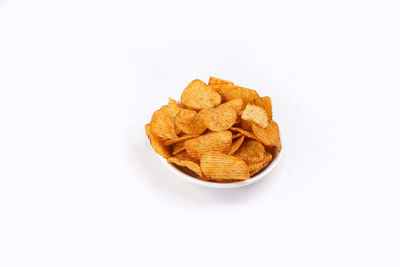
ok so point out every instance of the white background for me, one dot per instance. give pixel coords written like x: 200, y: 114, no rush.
x: 80, y: 185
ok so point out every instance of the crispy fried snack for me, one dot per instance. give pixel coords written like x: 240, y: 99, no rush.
x: 244, y: 132
x: 255, y: 167
x: 178, y: 139
x: 236, y: 104
x: 210, y: 142
x: 215, y: 81
x: 162, y: 124
x: 236, y: 144
x: 246, y: 125
x: 266, y: 104
x: 251, y: 151
x: 255, y: 114
x: 217, y: 119
x: 221, y: 166
x: 198, y: 95
x: 156, y: 143
x: 189, y: 122
x: 194, y: 167
x: 185, y: 156
x: 220, y: 132
x: 268, y: 136
x: 178, y: 147
x: 234, y: 136
x: 174, y: 107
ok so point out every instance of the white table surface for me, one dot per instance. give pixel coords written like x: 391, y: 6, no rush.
x: 80, y: 185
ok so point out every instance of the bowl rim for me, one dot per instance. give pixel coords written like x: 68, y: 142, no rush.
x: 250, y: 181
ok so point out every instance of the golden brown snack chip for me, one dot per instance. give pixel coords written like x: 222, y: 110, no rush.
x: 177, y: 130
x: 236, y: 104
x: 223, y: 90
x: 214, y: 141
x: 255, y: 114
x: 178, y: 147
x: 194, y: 167
x: 235, y: 145
x: 246, y: 125
x: 266, y: 104
x: 255, y: 167
x: 198, y: 95
x: 234, y: 136
x: 178, y: 139
x: 221, y: 86
x: 190, y: 122
x: 219, y: 118
x: 230, y: 92
x: 220, y: 132
x: 221, y: 166
x: 174, y: 107
x: 268, y: 136
x: 162, y: 124
x: 156, y: 143
x: 215, y: 81
x: 185, y: 156
x: 244, y: 132
x: 251, y: 151
x: 238, y: 120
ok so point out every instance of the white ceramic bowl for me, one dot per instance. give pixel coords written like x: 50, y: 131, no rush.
x: 258, y: 177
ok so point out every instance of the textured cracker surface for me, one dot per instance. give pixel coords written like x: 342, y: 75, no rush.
x: 268, y: 136
x: 266, y: 104
x: 236, y: 144
x: 198, y: 95
x: 194, y: 167
x: 214, y: 141
x: 189, y: 122
x: 244, y: 132
x: 221, y: 166
x: 219, y: 118
x: 162, y: 124
x: 251, y: 151
x: 185, y: 156
x: 156, y: 143
x: 178, y: 147
x: 215, y: 81
x: 255, y: 114
x: 178, y: 139
x: 174, y: 107
x: 255, y: 167
x: 236, y: 104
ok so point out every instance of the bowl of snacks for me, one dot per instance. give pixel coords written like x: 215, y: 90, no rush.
x: 220, y: 135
